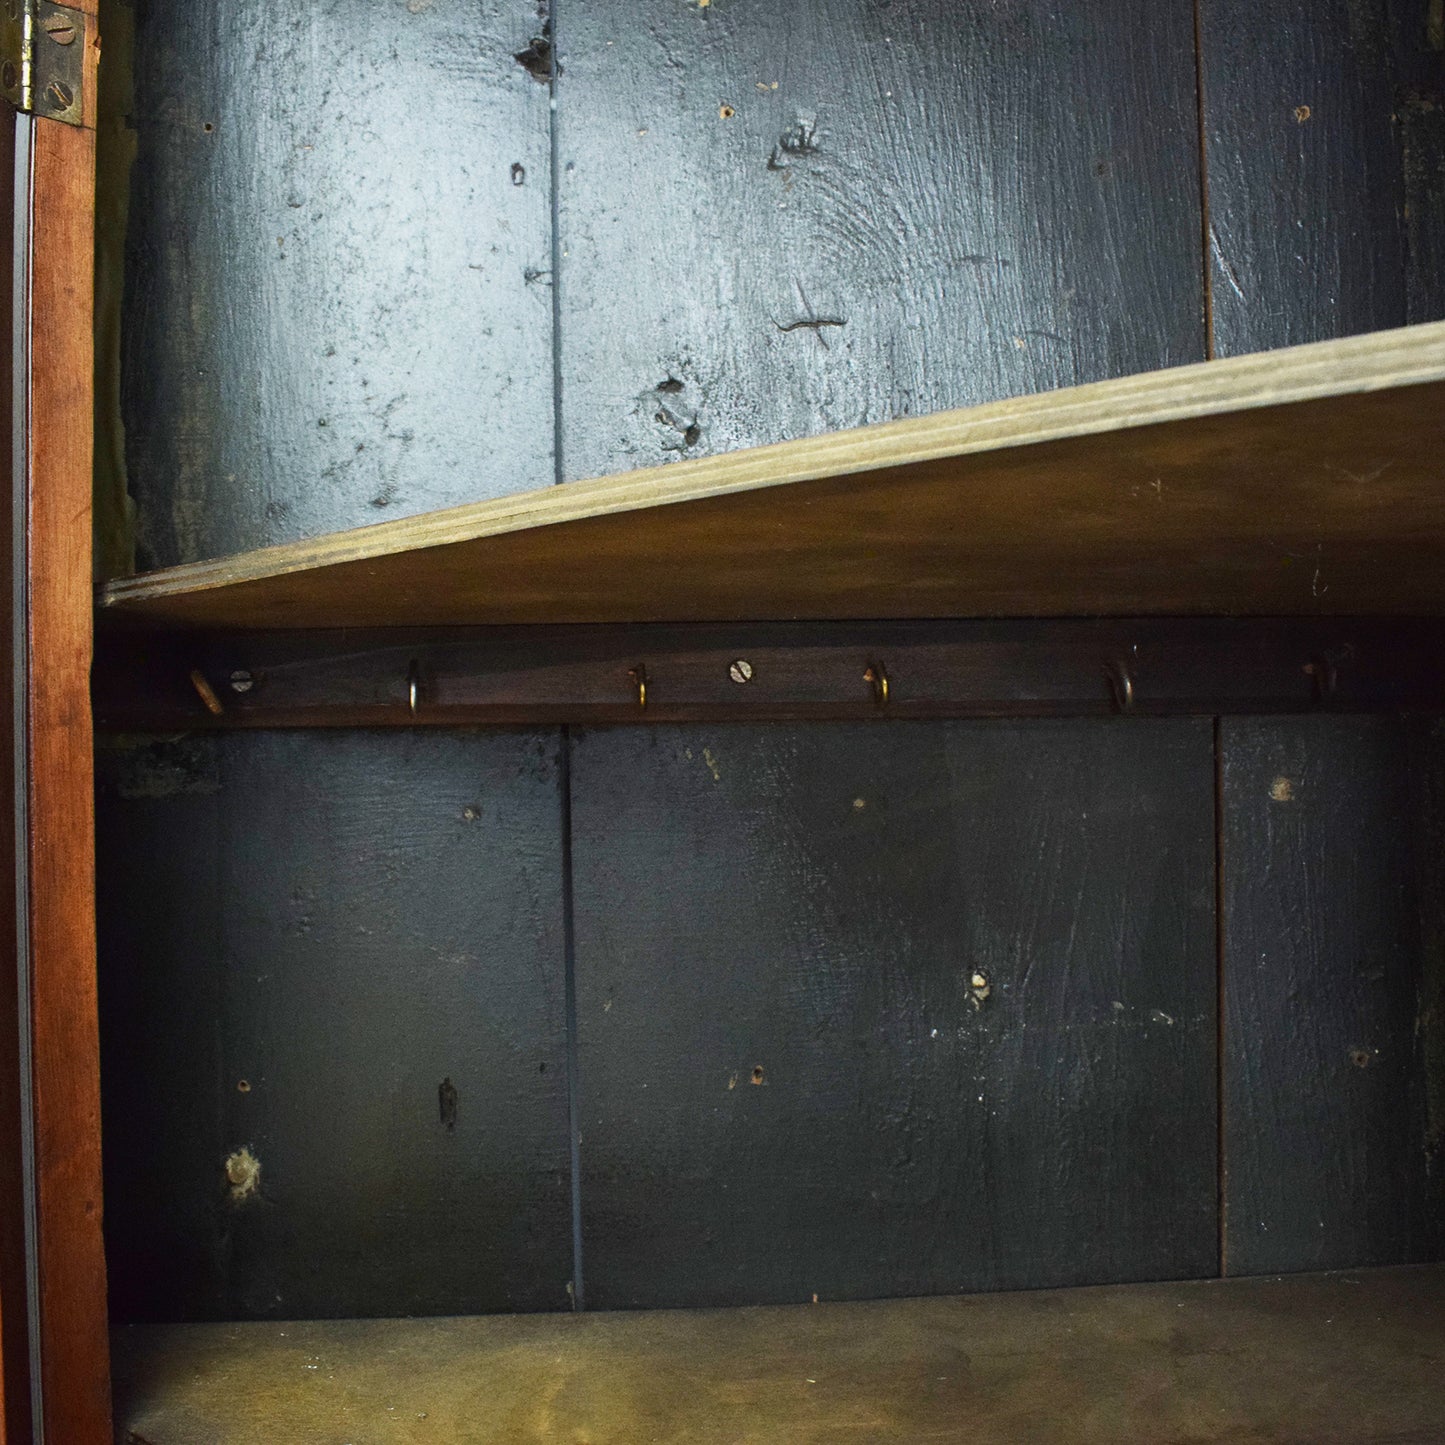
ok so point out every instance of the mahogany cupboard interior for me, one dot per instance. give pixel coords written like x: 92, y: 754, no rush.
x: 769, y: 693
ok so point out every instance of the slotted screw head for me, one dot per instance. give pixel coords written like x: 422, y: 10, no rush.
x: 242, y: 681
x: 60, y: 95
x: 60, y: 28
x: 741, y: 670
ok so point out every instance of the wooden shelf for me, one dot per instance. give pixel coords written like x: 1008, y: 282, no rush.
x: 1324, y: 1358
x: 1303, y: 481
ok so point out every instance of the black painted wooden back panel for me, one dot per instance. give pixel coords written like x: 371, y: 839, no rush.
x: 159, y: 862
x: 773, y: 221
x: 1418, y: 72
x: 784, y: 219
x: 337, y: 307
x: 1325, y: 154
x: 1334, y: 1044
x: 894, y: 1009
x: 342, y: 954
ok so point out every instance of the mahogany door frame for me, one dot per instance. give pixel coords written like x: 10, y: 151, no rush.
x: 54, y: 1345
x: 15, y: 1331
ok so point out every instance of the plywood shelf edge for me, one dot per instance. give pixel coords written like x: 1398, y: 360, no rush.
x: 1320, y: 457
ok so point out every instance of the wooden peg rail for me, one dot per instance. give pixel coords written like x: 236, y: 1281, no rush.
x: 755, y: 672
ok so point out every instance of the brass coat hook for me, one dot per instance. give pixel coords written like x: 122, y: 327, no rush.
x: 639, y: 675
x: 1121, y: 685
x: 877, y: 674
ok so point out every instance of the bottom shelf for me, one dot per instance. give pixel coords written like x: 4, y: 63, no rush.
x: 1357, y: 1356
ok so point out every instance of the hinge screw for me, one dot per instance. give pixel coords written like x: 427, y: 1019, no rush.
x: 741, y: 670
x: 9, y: 75
x: 60, y: 28
x: 60, y: 95
x: 242, y: 681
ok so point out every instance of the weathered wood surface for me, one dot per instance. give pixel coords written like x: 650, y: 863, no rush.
x: 1329, y: 1360
x: 338, y: 294
x: 782, y: 220
x: 1418, y: 75
x: 915, y: 1008
x: 1297, y: 482
x: 342, y: 955
x: 1334, y: 992
x: 1325, y: 155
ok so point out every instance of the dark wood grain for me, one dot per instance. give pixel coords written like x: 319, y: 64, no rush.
x: 1334, y: 928
x: 1324, y: 159
x: 790, y: 1084
x: 337, y: 298
x: 342, y: 954
x: 778, y: 672
x: 781, y: 220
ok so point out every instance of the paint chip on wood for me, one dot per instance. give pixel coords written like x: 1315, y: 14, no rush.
x: 536, y: 56
x: 1282, y: 790
x: 243, y: 1174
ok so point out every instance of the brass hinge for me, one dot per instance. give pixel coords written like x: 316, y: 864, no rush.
x: 42, y: 59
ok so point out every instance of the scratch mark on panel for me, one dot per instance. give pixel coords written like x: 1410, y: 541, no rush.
x: 1230, y: 274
